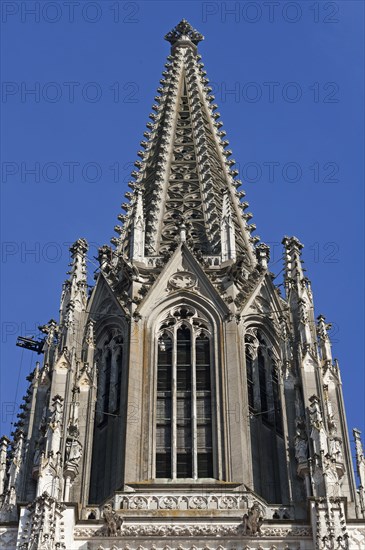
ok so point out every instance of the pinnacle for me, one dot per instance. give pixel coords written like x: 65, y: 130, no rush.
x: 79, y: 246
x: 292, y: 241
x: 184, y: 31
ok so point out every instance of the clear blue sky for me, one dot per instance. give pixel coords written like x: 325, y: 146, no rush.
x: 295, y: 123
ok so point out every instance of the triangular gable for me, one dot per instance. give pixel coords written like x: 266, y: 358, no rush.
x: 182, y: 273
x: 264, y: 300
x: 103, y: 299
x: 62, y: 362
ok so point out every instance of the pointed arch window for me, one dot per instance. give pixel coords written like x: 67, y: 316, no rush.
x: 110, y: 413
x: 265, y: 407
x: 262, y: 380
x: 184, y: 398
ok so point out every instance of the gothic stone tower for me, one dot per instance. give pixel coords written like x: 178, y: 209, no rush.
x: 183, y: 404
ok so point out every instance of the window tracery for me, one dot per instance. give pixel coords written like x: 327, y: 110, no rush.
x: 184, y: 396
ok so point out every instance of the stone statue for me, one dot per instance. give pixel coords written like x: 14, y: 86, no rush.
x: 73, y: 451
x: 253, y: 520
x: 113, y: 522
x: 301, y: 448
x: 36, y: 458
x: 318, y: 432
x: 336, y: 449
x: 333, y: 482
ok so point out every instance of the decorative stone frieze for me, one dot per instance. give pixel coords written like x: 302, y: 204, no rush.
x: 192, y: 530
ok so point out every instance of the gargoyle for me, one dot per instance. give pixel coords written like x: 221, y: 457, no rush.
x: 253, y: 520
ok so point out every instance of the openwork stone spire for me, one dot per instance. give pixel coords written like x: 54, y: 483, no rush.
x: 185, y: 174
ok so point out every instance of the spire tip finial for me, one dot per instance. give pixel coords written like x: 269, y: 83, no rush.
x: 184, y: 31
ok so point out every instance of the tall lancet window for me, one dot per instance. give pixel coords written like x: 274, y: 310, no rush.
x: 265, y: 411
x: 184, y: 369
x: 110, y: 411
x: 107, y: 371
x: 164, y: 385
x: 263, y: 384
x: 262, y: 374
x: 204, y: 406
x: 184, y: 398
x: 278, y: 414
x: 250, y: 382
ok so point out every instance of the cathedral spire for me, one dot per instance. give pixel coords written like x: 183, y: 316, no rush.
x: 185, y: 175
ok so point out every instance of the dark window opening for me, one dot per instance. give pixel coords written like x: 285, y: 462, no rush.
x: 163, y: 465
x: 119, y: 363
x: 205, y: 464
x: 250, y: 384
x: 262, y: 381
x: 107, y: 376
x: 184, y: 465
x: 277, y: 402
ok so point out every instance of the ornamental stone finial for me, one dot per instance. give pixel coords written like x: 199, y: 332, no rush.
x: 292, y: 243
x: 184, y: 32
x: 79, y: 247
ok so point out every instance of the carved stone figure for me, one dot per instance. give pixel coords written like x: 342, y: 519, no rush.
x: 301, y: 448
x: 332, y: 479
x: 336, y: 449
x: 113, y: 522
x: 318, y: 432
x: 298, y: 403
x: 253, y: 520
x: 73, y: 451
